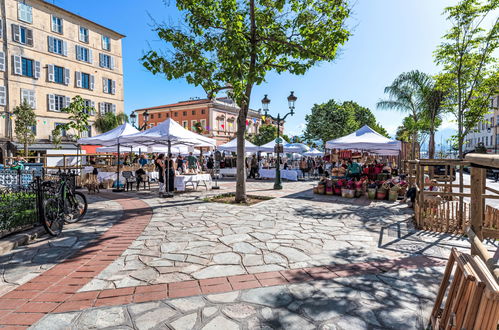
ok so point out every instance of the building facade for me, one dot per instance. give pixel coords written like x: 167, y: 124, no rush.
x: 487, y: 131
x: 50, y: 55
x: 216, y: 118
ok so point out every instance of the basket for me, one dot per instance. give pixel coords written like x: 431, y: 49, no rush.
x: 347, y: 193
x: 371, y: 193
x: 337, y: 191
x: 329, y: 190
x: 381, y: 194
x: 393, y: 195
x: 358, y: 192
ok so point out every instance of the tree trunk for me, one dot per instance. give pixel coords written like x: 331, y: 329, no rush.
x: 413, y: 145
x: 431, y: 145
x: 25, y: 149
x: 241, y: 162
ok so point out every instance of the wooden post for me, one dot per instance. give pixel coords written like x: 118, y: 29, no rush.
x: 477, y: 203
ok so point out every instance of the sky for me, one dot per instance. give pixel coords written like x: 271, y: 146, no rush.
x: 389, y: 37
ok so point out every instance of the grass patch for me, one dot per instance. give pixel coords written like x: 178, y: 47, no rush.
x: 229, y: 198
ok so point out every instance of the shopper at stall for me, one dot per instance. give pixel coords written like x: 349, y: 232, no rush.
x: 354, y: 170
x: 160, y: 168
x: 143, y: 160
x: 192, y: 162
x: 180, y: 164
x: 170, y: 170
x: 253, y: 167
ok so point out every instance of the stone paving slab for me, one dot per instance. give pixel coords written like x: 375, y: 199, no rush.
x: 358, y: 302
x: 26, y: 262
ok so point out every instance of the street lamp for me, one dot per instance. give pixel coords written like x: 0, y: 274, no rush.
x: 265, y: 106
x: 133, y: 118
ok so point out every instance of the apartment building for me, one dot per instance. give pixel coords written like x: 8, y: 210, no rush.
x: 48, y: 56
x: 486, y: 131
x: 217, y: 118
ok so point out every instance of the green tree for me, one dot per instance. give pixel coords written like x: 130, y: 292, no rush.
x: 332, y: 120
x: 406, y: 94
x: 470, y: 67
x: 432, y: 114
x: 24, y: 123
x: 79, y: 114
x: 232, y: 44
x: 110, y: 120
x: 266, y: 133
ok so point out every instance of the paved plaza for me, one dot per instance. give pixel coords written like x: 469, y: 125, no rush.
x: 296, y: 261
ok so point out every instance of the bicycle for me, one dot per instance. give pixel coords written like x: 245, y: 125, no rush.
x: 67, y: 205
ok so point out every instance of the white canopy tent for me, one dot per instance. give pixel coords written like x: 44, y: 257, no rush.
x: 168, y: 133
x: 270, y: 146
x: 365, y: 138
x: 175, y: 150
x: 231, y: 146
x: 111, y: 137
x: 301, y: 146
x: 313, y: 153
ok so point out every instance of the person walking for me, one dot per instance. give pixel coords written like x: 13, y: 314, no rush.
x: 210, y: 165
x: 160, y: 168
x: 253, y: 167
x: 180, y: 164
x: 192, y: 162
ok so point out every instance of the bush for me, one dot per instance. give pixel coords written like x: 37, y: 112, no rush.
x: 17, y: 210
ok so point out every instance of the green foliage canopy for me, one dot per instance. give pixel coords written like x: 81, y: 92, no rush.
x: 24, y: 122
x: 110, y: 120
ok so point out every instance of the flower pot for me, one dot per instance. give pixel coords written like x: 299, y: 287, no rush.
x: 337, y: 191
x: 393, y: 195
x: 316, y: 190
x: 359, y: 192
x: 347, y: 193
x: 381, y: 194
x: 321, y: 189
x: 329, y: 190
x: 371, y: 193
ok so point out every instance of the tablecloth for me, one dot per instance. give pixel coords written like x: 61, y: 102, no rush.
x: 181, y: 180
x: 228, y: 171
x: 291, y: 175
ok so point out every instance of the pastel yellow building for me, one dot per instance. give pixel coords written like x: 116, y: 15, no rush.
x: 48, y: 56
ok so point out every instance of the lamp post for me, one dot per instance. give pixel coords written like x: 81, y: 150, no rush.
x: 265, y: 106
x: 133, y: 118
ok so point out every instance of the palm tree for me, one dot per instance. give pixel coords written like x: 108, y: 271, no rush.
x: 110, y: 120
x: 434, y: 98
x: 411, y: 92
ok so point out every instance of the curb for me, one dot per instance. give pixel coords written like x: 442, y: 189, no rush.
x: 9, y: 243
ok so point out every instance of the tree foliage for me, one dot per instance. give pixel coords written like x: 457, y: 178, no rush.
x: 24, y: 123
x: 79, y: 114
x: 234, y: 44
x: 469, y: 62
x: 110, y: 120
x: 332, y: 120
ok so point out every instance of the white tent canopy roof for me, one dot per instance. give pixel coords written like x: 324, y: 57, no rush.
x: 171, y: 132
x: 175, y: 150
x: 231, y: 146
x: 111, y: 137
x: 365, y: 138
x: 269, y: 147
x: 313, y: 153
x: 301, y: 146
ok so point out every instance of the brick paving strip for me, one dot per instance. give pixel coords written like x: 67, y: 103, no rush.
x: 56, y: 290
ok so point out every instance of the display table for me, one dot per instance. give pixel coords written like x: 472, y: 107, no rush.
x: 194, y: 180
x: 228, y: 171
x: 291, y: 175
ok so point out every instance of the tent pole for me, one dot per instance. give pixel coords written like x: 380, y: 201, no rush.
x: 168, y: 194
x: 118, y: 188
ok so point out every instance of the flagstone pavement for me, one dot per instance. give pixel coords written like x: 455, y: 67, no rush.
x: 296, y: 261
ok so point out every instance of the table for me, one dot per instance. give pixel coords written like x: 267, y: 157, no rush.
x: 195, y: 180
x: 291, y: 175
x: 228, y: 171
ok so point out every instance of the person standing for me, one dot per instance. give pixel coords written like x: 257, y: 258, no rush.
x: 353, y: 170
x: 210, y: 165
x: 160, y: 168
x: 170, y: 168
x: 143, y: 160
x: 180, y: 164
x: 253, y: 167
x: 192, y: 162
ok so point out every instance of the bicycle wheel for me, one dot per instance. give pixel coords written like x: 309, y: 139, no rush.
x: 53, y: 216
x: 76, y: 207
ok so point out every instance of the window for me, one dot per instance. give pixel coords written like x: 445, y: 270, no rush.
x: 193, y: 112
x: 106, y: 43
x: 203, y: 123
x: 24, y: 12
x: 105, y: 107
x: 151, y: 116
x: 56, y: 24
x: 83, y: 37
x: 184, y: 113
x: 27, y: 67
x: 29, y: 96
x: 2, y: 60
x: 203, y: 111
x: 58, y: 46
x: 106, y: 61
x: 167, y: 115
x: 185, y: 123
x: 109, y: 86
x: 33, y: 129
x: 159, y: 115
x: 83, y: 54
x: 85, y: 80
x: 63, y: 131
x: 22, y: 35
x: 176, y: 114
x: 90, y: 104
x: 87, y: 133
x: 193, y: 122
x: 58, y: 74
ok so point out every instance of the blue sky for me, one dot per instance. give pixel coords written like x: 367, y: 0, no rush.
x: 389, y: 37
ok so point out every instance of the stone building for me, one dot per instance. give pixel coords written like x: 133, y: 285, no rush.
x: 48, y: 56
x: 486, y: 131
x: 216, y: 118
